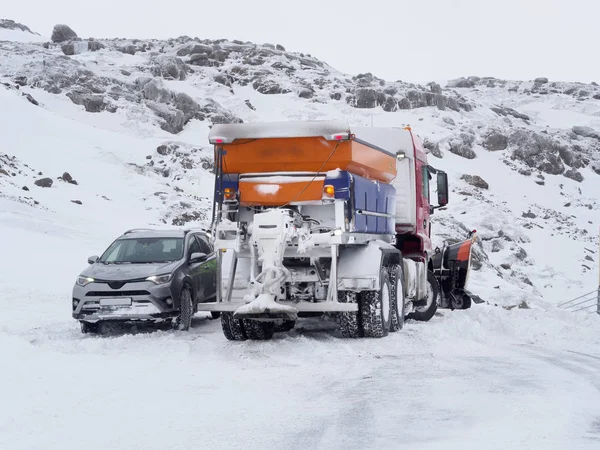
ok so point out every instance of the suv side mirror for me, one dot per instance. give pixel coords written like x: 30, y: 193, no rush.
x: 197, y: 257
x: 93, y: 259
x: 442, y: 188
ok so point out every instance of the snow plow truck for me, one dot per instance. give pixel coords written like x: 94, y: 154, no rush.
x: 316, y: 218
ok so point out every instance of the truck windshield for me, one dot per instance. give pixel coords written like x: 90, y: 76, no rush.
x: 143, y: 251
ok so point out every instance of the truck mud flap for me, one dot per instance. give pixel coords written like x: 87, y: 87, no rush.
x: 451, y: 267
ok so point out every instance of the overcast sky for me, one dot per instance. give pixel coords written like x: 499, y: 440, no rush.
x: 418, y: 40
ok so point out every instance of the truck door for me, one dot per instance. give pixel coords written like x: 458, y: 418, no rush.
x: 423, y: 202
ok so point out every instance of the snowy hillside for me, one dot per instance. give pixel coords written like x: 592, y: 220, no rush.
x: 103, y: 135
x: 13, y: 31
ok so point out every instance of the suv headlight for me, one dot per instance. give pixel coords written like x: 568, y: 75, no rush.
x: 84, y: 281
x: 160, y: 279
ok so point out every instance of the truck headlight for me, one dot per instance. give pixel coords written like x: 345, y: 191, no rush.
x: 160, y: 279
x: 84, y: 281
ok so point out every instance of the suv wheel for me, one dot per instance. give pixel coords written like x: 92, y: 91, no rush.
x: 183, y: 321
x: 87, y: 327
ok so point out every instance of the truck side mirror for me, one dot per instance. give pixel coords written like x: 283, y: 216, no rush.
x: 442, y: 188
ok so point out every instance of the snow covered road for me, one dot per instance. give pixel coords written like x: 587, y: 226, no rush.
x: 436, y: 385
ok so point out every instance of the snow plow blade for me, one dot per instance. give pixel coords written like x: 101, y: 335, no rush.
x: 265, y: 307
x: 451, y: 267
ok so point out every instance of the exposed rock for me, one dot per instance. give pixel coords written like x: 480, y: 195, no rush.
x: 155, y: 90
x: 435, y: 88
x: 475, y: 180
x: 223, y: 79
x: 306, y: 93
x: 449, y: 120
x: 30, y: 99
x: 574, y: 174
x: 504, y: 111
x: 521, y: 254
x: 128, y: 49
x: 187, y: 105
x: 77, y: 202
x: 463, y: 146
x: 62, y: 33
x: 460, y: 83
x: 12, y: 25
x: 497, y: 245
x: 505, y: 266
x: 125, y: 72
x: 541, y: 80
x: 529, y: 215
x: 433, y: 147
x: 68, y: 49
x: 249, y: 105
x: 173, y: 120
x: 495, y: 141
x: 94, y: 46
x: 168, y: 67
x: 44, y: 182
x: 365, y: 98
x: 67, y: 177
x: 25, y: 188
x: 537, y: 151
x: 268, y: 86
x: 586, y: 132
x: 91, y: 102
x: 166, y: 149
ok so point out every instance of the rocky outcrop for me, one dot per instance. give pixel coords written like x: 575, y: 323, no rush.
x: 586, y: 132
x: 12, y: 25
x: 475, y: 180
x: 573, y: 174
x: 463, y: 146
x: 168, y: 67
x: 62, y: 33
x: 44, y: 182
x: 537, y: 151
x: 495, y: 141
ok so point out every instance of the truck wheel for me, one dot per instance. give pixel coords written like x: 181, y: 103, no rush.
x: 350, y: 320
x: 286, y: 325
x: 258, y: 330
x: 215, y: 314
x: 183, y: 321
x: 397, y: 304
x: 233, y: 329
x: 375, y: 309
x: 460, y: 300
x: 425, y: 313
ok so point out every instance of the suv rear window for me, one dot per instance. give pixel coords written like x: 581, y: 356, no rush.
x: 144, y: 250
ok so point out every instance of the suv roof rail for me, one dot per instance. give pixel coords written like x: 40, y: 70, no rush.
x: 138, y: 229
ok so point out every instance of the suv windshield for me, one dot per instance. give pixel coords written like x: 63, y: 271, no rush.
x: 144, y: 251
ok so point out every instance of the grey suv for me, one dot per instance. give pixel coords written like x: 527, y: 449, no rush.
x: 147, y: 275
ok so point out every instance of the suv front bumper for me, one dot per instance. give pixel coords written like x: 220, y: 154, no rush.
x: 139, y: 301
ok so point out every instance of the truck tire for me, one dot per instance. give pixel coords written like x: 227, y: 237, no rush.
x: 460, y: 300
x: 285, y: 326
x: 397, y: 303
x: 183, y: 321
x: 233, y: 329
x: 425, y: 313
x: 258, y: 330
x: 215, y: 314
x: 375, y: 310
x: 349, y: 321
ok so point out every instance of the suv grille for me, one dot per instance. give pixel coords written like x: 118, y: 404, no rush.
x: 116, y: 293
